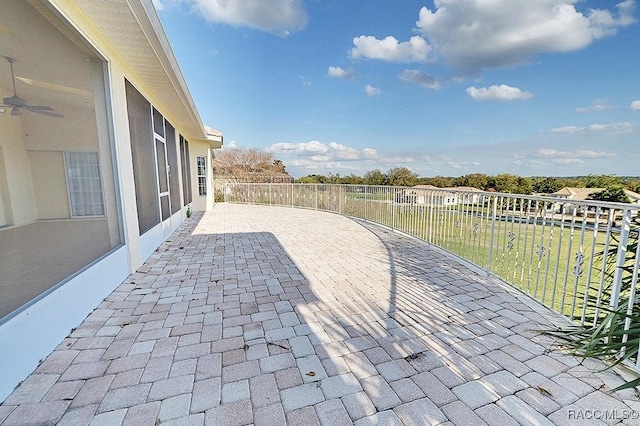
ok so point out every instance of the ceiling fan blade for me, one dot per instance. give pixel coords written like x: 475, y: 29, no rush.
x: 38, y: 108
x: 16, y: 111
x: 53, y: 86
x: 15, y: 101
x: 49, y: 113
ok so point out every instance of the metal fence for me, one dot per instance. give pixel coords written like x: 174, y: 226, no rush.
x: 579, y: 258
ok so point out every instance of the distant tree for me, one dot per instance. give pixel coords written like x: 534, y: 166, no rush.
x: 242, y: 164
x: 525, y: 185
x: 510, y: 184
x: 547, y: 185
x: 475, y: 180
x: 439, y: 181
x: 574, y: 182
x: 334, y: 178
x: 632, y: 184
x: 601, y: 181
x: 312, y: 179
x: 305, y: 179
x: 401, y: 176
x: 613, y: 193
x: 503, y: 183
x: 279, y: 166
x: 352, y: 179
x: 374, y: 177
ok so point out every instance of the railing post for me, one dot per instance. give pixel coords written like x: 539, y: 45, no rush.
x: 393, y: 207
x: 315, y: 193
x: 620, y: 258
x: 430, y: 220
x: 366, y: 206
x: 493, y: 227
x: 292, y: 194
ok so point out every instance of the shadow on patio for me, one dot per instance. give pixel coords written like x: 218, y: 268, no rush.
x: 266, y: 315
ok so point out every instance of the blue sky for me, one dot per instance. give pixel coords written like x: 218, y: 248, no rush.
x: 444, y: 87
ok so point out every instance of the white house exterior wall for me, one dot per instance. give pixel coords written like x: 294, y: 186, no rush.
x: 30, y: 334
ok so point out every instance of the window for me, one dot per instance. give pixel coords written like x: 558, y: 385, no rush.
x: 202, y: 175
x: 84, y: 183
x: 186, y: 171
x: 69, y: 217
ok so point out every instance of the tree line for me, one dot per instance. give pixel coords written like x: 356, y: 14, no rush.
x: 253, y: 165
x: 504, y: 182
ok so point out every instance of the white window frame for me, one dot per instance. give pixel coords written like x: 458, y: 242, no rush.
x: 202, y: 175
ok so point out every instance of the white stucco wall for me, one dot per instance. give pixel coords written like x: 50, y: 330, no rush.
x: 33, y: 333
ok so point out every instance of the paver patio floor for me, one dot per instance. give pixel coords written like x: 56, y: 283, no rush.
x: 268, y: 315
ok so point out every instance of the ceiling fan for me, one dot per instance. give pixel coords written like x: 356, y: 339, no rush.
x: 17, y: 104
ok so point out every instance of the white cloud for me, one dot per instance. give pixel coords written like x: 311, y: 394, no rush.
x: 312, y: 147
x: 305, y: 81
x: 318, y: 157
x: 371, y: 91
x: 568, y: 129
x: 419, y: 78
x: 389, y: 49
x: 459, y: 165
x: 568, y: 158
x: 471, y: 35
x: 610, y: 129
x: 448, y: 162
x: 568, y: 161
x: 322, y: 152
x: 338, y: 72
x: 344, y: 152
x: 279, y: 17
x: 581, y: 153
x: 369, y: 153
x: 314, y: 165
x: 599, y: 105
x: 498, y: 93
x: 635, y: 105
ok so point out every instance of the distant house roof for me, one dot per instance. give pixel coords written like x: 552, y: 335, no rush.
x: 583, y: 193
x: 635, y: 197
x: 426, y: 187
x: 465, y: 188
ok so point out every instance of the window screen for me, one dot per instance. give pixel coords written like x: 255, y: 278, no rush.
x: 144, y: 161
x: 172, y: 160
x: 158, y: 123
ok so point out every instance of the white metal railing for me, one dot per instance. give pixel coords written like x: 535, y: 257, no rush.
x: 579, y: 258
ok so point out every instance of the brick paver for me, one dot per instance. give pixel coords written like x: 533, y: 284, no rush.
x: 269, y: 315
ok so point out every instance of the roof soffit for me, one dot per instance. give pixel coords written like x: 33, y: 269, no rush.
x: 134, y: 31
